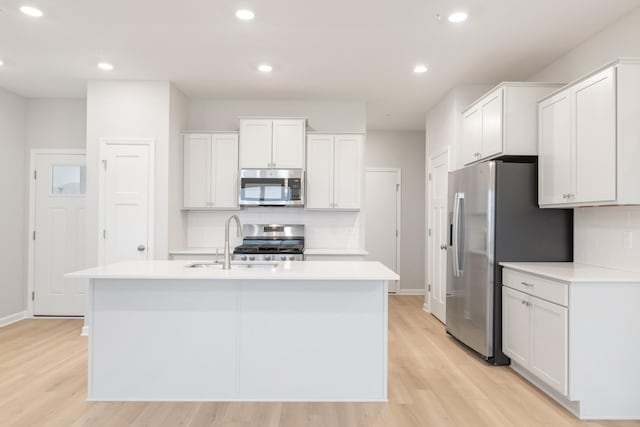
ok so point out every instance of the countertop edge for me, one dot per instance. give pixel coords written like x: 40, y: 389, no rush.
x: 589, y: 273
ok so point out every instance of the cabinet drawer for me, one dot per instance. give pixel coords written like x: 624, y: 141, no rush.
x: 547, y: 289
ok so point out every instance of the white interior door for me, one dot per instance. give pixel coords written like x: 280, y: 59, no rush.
x: 383, y: 219
x: 437, y: 241
x: 59, y: 233
x: 127, y: 180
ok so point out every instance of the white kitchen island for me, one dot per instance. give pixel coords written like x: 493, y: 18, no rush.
x: 299, y: 331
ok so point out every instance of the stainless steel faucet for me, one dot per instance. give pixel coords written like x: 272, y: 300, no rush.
x: 227, y: 251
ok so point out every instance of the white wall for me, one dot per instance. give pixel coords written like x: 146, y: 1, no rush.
x: 600, y: 234
x: 333, y: 116
x: 405, y: 150
x: 323, y: 229
x: 178, y: 119
x: 13, y: 217
x: 128, y: 109
x: 56, y: 123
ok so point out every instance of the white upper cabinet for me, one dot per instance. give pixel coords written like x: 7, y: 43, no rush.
x: 211, y: 171
x: 347, y: 171
x: 472, y: 134
x: 334, y: 171
x: 288, y: 144
x: 555, y: 150
x: 589, y: 137
x: 503, y: 122
x: 272, y: 143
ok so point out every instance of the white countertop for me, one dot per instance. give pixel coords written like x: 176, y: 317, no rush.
x: 574, y: 272
x: 197, y: 251
x: 290, y: 270
x: 336, y: 251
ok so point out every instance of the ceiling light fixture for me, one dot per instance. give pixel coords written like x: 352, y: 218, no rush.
x: 245, y: 14
x: 105, y: 66
x: 265, y: 68
x: 458, y: 17
x: 419, y: 69
x: 31, y: 11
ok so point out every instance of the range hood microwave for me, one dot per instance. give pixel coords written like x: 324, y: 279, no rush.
x: 271, y: 187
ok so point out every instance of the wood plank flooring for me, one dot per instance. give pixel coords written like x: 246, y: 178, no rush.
x: 432, y: 382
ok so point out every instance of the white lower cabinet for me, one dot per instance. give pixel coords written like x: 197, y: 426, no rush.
x: 534, y: 335
x: 572, y: 330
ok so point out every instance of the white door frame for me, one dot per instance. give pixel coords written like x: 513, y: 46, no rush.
x: 398, y: 172
x: 428, y: 269
x: 31, y: 244
x: 104, y: 143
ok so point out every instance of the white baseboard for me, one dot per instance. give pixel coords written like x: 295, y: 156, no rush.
x: 426, y: 308
x: 85, y: 331
x: 12, y: 318
x: 410, y: 292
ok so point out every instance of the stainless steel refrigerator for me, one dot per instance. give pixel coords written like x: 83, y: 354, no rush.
x: 494, y: 217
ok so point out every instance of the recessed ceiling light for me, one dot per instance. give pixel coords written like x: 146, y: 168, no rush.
x: 458, y: 17
x: 1, y: 63
x: 31, y: 11
x: 265, y: 68
x: 245, y: 14
x: 419, y: 69
x: 105, y: 66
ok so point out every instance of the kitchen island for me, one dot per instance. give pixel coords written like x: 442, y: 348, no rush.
x: 295, y: 331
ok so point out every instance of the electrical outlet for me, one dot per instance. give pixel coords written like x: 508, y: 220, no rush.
x: 628, y: 240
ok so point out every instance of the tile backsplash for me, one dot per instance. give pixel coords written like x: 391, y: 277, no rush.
x: 322, y: 229
x: 608, y: 237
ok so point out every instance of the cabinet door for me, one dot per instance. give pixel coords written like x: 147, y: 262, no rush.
x: 197, y: 171
x: 224, y: 184
x: 491, y: 124
x: 471, y: 134
x: 319, y: 192
x: 515, y: 325
x: 288, y: 144
x: 594, y: 102
x: 347, y: 178
x: 549, y: 343
x: 554, y: 149
x: 255, y: 143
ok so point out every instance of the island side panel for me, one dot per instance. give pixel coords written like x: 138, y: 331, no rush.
x: 313, y: 340
x: 163, y: 340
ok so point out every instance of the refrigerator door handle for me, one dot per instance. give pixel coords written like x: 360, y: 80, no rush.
x: 458, y: 233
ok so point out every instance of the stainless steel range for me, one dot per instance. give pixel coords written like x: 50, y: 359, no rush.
x: 271, y: 242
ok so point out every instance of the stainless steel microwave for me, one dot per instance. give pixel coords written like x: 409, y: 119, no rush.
x: 271, y: 187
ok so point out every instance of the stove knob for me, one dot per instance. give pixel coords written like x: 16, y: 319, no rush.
x: 283, y: 258
x: 292, y: 258
x: 252, y: 258
x: 267, y: 257
x: 243, y: 258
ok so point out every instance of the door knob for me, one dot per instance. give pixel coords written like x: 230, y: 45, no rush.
x: 141, y: 248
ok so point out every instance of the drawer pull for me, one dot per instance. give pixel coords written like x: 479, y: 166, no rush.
x: 527, y: 284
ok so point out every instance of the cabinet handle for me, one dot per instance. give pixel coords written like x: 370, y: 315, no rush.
x: 443, y: 247
x: 527, y: 284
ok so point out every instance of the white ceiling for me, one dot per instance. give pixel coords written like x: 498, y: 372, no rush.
x: 325, y: 49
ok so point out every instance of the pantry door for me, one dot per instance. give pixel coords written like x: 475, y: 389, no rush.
x: 126, y: 201
x: 58, y: 233
x: 383, y: 190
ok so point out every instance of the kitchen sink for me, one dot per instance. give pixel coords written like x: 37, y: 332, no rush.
x: 235, y: 266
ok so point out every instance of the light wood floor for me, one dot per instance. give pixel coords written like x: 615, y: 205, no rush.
x: 432, y: 382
